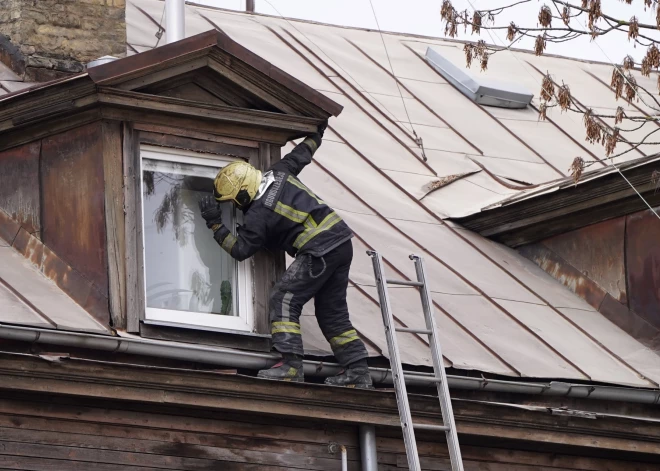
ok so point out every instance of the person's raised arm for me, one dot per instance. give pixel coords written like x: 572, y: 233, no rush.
x: 302, y: 154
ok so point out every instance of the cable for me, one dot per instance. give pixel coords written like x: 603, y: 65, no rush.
x: 570, y: 117
x: 326, y: 55
x: 418, y: 140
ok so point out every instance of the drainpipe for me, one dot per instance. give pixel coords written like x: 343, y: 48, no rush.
x: 368, y: 448
x: 175, y: 20
x: 344, y: 458
x: 240, y: 359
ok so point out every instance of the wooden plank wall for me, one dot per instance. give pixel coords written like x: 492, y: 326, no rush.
x: 48, y: 434
x: 434, y: 456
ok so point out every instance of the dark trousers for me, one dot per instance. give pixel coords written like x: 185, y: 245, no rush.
x: 325, y: 279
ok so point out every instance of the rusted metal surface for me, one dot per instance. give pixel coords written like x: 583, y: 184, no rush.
x: 597, y: 252
x: 564, y: 272
x: 73, y: 209
x: 637, y: 327
x: 643, y: 265
x: 75, y: 285
x: 8, y: 229
x: 19, y: 185
x: 157, y: 58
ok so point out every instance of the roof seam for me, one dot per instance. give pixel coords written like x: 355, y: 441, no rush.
x: 482, y: 108
x: 435, y: 303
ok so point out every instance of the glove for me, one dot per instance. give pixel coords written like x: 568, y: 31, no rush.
x: 211, y: 212
x: 322, y: 128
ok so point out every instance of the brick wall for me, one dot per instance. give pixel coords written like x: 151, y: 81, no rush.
x: 46, y: 39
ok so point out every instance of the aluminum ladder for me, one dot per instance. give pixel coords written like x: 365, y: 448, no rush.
x: 439, y: 377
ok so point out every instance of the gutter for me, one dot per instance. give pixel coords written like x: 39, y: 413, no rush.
x: 381, y: 376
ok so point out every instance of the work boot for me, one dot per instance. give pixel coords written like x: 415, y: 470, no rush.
x: 352, y: 378
x: 289, y: 369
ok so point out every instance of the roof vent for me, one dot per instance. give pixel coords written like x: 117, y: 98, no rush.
x: 482, y: 91
x: 101, y: 61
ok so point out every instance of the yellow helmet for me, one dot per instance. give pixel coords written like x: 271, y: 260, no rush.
x: 237, y: 182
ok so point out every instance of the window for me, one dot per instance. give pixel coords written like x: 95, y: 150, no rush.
x: 189, y: 279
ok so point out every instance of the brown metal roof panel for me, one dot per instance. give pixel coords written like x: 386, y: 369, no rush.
x: 6, y: 73
x: 396, y: 248
x: 14, y: 311
x: 43, y: 297
x: 516, y: 345
x: 537, y: 280
x: 593, y: 359
x: 637, y: 355
x: 357, y: 174
x: 442, y: 243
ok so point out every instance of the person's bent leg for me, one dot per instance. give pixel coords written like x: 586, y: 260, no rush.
x: 334, y: 320
x: 287, y: 300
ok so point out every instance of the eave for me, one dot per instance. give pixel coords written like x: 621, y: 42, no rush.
x: 563, y: 206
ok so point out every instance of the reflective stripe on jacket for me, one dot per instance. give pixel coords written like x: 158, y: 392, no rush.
x: 289, y: 216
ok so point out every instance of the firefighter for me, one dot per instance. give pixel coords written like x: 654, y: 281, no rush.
x: 281, y: 213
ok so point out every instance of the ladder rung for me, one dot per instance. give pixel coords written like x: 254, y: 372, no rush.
x: 435, y: 428
x: 404, y: 283
x: 413, y: 331
x: 428, y: 379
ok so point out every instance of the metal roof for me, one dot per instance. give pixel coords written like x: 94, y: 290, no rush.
x: 497, y: 311
x: 27, y: 297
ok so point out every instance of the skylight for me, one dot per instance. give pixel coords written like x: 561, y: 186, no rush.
x: 483, y: 91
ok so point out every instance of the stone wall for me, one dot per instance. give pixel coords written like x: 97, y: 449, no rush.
x: 46, y: 39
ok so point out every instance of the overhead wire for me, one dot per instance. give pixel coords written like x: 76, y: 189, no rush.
x: 613, y: 164
x: 333, y: 61
x: 418, y: 139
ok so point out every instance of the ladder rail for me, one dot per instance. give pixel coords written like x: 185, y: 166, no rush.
x: 438, y: 366
x: 397, y: 369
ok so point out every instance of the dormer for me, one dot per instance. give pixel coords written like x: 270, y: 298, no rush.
x: 105, y: 168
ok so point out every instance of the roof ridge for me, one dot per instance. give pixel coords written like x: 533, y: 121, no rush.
x: 394, y: 33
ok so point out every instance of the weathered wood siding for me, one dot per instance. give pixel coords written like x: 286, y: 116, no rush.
x: 40, y: 433
x: 494, y: 457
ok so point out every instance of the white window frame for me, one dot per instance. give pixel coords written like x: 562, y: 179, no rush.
x: 244, y: 321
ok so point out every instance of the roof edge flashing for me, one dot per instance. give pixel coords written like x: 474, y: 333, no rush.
x: 482, y: 92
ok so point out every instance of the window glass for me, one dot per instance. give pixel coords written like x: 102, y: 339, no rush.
x: 185, y: 269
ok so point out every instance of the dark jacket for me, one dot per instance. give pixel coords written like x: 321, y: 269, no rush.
x: 288, y: 216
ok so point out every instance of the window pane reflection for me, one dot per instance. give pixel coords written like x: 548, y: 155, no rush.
x: 185, y: 269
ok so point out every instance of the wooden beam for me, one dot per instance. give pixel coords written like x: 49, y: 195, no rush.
x: 141, y: 101
x: 135, y: 302
x: 114, y: 220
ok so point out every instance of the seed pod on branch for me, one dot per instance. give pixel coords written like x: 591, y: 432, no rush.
x: 564, y: 97
x: 628, y: 63
x: 484, y: 61
x: 633, y: 28
x: 576, y: 169
x: 543, y: 111
x: 476, y: 22
x: 617, y: 82
x: 594, y: 131
x: 619, y: 115
x: 545, y: 16
x: 447, y: 10
x: 631, y: 88
x: 547, y: 88
x: 595, y: 13
x: 539, y: 45
x: 610, y: 141
x: 566, y: 14
x: 657, y: 16
x: 585, y: 4
x: 511, y: 32
x: 651, y: 60
x: 468, y: 49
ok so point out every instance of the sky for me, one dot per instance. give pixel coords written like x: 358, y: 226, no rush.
x: 423, y: 17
